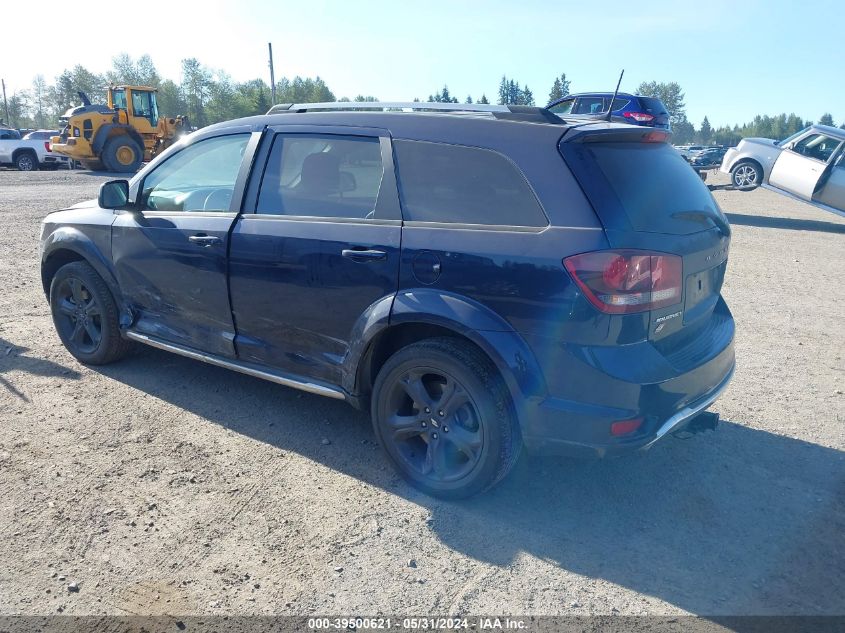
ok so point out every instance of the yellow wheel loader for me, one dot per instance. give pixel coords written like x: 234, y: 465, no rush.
x: 120, y: 135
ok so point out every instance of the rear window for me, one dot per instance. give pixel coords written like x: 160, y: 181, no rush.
x: 652, y: 105
x: 466, y: 185
x: 648, y: 184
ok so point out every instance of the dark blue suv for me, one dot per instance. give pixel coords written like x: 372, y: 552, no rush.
x: 478, y: 280
x: 627, y: 108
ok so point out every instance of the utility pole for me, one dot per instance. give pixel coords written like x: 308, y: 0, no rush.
x: 5, y: 103
x: 272, y: 75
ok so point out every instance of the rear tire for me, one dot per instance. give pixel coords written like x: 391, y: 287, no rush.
x: 122, y: 154
x: 443, y: 415
x: 86, y: 316
x: 746, y: 176
x: 26, y: 161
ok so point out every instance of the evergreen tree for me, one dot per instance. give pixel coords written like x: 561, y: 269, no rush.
x: 705, y: 133
x: 526, y: 97
x: 683, y: 132
x: 503, y: 91
x: 483, y: 99
x: 560, y: 88
x: 469, y: 99
x: 827, y: 119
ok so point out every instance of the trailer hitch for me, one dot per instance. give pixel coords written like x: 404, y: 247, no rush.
x: 704, y: 421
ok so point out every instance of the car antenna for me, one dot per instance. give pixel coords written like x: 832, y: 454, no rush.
x: 616, y: 92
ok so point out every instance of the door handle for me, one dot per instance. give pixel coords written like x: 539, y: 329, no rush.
x: 363, y: 254
x: 204, y: 240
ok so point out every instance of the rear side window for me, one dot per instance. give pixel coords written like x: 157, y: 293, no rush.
x: 466, y: 185
x: 322, y: 176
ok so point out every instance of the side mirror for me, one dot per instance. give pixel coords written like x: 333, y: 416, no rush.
x: 114, y: 194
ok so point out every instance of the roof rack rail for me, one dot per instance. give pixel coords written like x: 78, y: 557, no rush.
x: 509, y: 112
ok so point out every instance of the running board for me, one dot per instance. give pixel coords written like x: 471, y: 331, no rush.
x: 244, y: 368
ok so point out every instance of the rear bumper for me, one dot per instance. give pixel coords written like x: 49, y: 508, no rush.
x: 582, y: 427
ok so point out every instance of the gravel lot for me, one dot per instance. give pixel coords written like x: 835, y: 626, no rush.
x: 160, y: 485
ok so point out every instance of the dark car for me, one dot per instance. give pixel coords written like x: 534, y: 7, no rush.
x: 709, y: 157
x: 477, y: 282
x: 627, y: 108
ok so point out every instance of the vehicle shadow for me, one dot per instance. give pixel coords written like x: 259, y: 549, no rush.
x: 740, y: 521
x: 785, y: 223
x: 13, y: 357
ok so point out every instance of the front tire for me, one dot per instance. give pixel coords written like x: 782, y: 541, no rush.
x: 442, y: 413
x: 747, y: 176
x: 86, y: 316
x: 122, y: 154
x: 26, y: 161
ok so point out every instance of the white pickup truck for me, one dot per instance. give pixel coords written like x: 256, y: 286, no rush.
x: 28, y: 154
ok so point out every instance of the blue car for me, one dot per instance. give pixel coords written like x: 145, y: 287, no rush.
x: 480, y: 278
x: 627, y: 108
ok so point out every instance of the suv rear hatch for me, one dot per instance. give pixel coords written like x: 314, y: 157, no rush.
x: 655, y: 107
x: 669, y: 239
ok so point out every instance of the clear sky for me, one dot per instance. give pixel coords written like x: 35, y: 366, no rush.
x: 732, y: 59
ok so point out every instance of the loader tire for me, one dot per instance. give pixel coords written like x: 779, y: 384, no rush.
x: 122, y: 154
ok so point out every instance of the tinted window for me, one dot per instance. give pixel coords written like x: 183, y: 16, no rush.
x: 9, y: 134
x: 637, y: 174
x: 322, y: 176
x: 199, y: 178
x: 452, y: 183
x: 652, y: 105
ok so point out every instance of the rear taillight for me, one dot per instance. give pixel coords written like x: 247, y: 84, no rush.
x: 47, y: 146
x: 624, y: 281
x: 640, y: 117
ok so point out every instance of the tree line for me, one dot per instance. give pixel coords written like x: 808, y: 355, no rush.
x: 208, y: 96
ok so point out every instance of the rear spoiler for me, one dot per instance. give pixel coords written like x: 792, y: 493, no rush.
x: 629, y: 134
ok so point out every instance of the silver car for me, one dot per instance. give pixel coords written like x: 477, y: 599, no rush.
x: 809, y: 165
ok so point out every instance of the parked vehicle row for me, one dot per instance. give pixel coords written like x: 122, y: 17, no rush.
x: 809, y: 165
x: 478, y: 283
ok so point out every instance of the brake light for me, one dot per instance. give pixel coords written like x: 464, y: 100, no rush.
x: 625, y: 281
x: 640, y: 117
x: 47, y: 146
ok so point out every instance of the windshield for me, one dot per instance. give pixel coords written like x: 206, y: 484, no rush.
x: 789, y: 139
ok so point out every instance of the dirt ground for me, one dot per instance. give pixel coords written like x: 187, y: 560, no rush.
x: 161, y: 485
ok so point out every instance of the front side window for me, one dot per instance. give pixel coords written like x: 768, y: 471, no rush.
x: 322, y: 176
x: 589, y: 105
x: 817, y: 146
x: 564, y: 107
x: 143, y: 105
x: 199, y: 178
x: 466, y: 185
